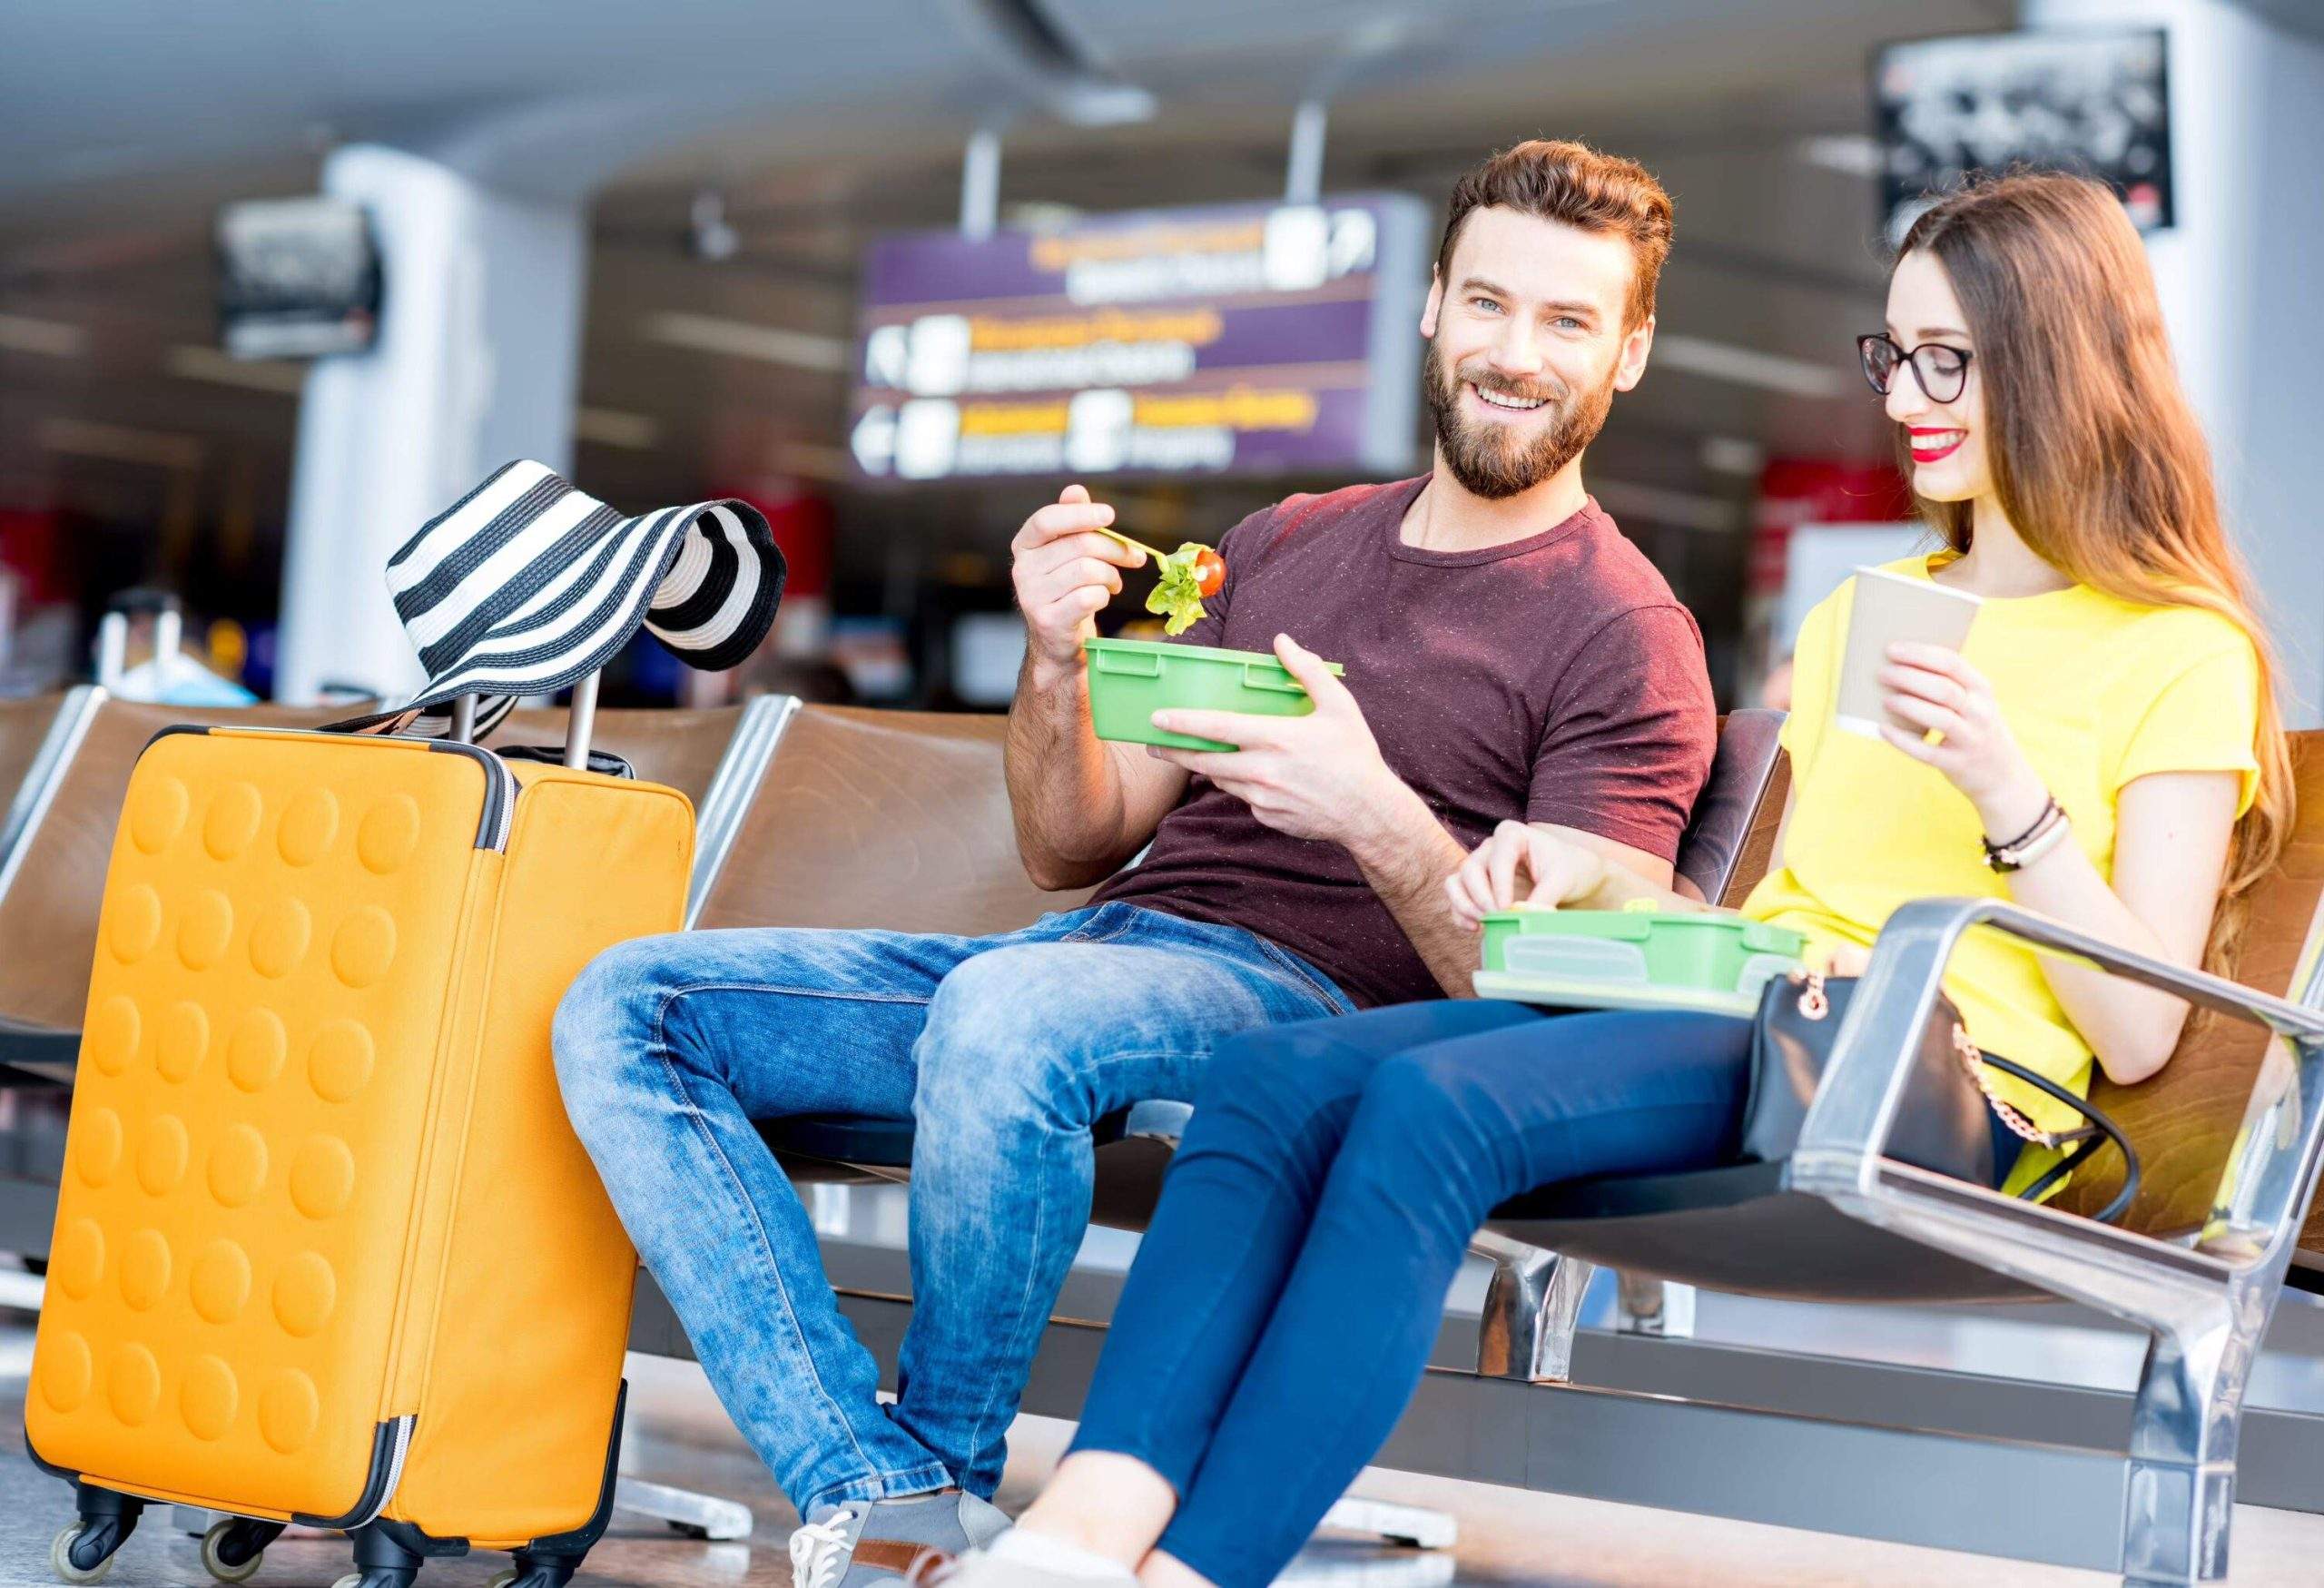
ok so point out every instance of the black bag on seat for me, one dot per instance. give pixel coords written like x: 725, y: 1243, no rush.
x: 1942, y: 1124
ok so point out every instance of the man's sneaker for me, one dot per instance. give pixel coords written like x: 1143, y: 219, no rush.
x: 872, y: 1543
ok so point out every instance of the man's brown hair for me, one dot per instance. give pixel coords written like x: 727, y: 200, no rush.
x: 1554, y: 180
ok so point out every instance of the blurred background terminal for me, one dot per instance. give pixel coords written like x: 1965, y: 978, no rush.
x: 280, y: 278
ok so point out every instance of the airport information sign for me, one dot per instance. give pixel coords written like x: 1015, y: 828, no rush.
x: 2095, y: 100
x: 1251, y: 339
x: 297, y: 277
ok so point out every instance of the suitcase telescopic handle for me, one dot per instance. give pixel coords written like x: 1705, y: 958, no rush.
x: 580, y: 726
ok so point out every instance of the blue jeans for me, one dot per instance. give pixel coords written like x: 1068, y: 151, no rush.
x: 1284, y: 1303
x: 1005, y: 1051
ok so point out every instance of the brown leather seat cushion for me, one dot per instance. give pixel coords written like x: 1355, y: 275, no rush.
x: 1760, y: 835
x: 1715, y: 851
x: 23, y: 723
x: 897, y: 820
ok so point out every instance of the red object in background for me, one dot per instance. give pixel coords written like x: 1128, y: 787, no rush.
x: 803, y: 529
x: 32, y: 546
x: 1817, y: 491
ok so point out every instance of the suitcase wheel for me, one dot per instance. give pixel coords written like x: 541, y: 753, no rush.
x: 84, y: 1551
x: 234, y: 1547
x: 534, y: 1571
x: 379, y: 1577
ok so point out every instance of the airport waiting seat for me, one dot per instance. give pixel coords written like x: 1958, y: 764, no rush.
x: 1735, y: 817
x: 1769, y: 1229
x: 897, y: 821
x: 2232, y: 1130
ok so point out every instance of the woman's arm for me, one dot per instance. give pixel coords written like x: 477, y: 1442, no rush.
x: 2171, y: 832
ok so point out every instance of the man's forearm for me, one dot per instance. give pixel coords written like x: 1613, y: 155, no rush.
x: 1065, y: 791
x: 1406, y: 856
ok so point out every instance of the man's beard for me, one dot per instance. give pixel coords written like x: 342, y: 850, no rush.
x: 1490, y: 460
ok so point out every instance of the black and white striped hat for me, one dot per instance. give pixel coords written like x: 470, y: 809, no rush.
x: 527, y: 584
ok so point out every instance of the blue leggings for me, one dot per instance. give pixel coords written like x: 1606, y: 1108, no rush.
x: 1285, y: 1301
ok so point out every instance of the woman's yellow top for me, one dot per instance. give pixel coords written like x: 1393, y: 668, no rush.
x: 2098, y: 692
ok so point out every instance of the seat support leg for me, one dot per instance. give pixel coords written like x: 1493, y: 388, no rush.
x: 2180, y: 1491
x: 1647, y: 1306
x: 1532, y: 1306
x: 696, y: 1515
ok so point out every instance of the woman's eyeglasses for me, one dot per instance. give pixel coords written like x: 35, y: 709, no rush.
x: 1943, y: 372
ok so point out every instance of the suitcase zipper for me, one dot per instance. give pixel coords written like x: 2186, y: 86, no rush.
x: 499, y: 794
x: 395, y: 1468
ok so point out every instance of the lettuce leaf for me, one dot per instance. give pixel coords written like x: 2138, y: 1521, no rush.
x: 1178, y: 596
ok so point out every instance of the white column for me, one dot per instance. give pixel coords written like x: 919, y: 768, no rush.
x: 2240, y: 287
x: 476, y: 363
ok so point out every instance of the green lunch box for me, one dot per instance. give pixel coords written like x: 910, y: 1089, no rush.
x: 1131, y: 679
x: 1637, y: 958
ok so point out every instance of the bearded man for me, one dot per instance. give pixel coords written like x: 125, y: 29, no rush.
x: 1509, y: 656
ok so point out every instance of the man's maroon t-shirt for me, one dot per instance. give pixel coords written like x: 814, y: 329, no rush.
x: 1552, y: 679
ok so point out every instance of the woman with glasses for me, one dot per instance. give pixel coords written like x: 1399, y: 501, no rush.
x: 2104, y: 750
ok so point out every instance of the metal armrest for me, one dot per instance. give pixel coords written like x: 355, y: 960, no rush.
x: 741, y: 769
x: 2136, y: 1277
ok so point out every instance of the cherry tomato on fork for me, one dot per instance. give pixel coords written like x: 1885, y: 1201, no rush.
x: 1210, y: 572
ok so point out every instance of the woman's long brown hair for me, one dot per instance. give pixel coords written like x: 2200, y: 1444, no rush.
x: 2097, y: 459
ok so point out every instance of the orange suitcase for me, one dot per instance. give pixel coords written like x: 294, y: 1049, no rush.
x: 326, y: 1249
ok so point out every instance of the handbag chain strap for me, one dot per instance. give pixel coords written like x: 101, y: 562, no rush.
x: 1815, y: 1003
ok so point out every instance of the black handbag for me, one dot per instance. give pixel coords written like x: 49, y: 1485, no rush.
x: 1942, y: 1124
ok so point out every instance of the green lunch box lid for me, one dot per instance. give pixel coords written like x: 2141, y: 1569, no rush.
x: 1618, y: 926
x: 1171, y: 648
x: 1632, y: 924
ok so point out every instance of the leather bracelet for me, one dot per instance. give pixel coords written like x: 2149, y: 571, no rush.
x: 2013, y: 857
x: 2040, y: 819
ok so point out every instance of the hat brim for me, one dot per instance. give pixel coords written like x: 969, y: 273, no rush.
x: 528, y: 585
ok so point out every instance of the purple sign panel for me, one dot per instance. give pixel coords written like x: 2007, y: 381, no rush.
x: 1250, y: 340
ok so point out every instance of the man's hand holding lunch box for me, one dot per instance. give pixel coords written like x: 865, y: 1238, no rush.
x: 1315, y: 776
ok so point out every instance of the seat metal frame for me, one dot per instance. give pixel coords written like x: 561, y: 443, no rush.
x: 2205, y: 1303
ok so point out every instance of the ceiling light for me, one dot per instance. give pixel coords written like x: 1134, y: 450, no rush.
x: 21, y: 333
x: 1749, y: 367
x: 706, y: 333
x: 1851, y: 154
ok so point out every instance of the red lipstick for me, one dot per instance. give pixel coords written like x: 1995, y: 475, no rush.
x: 1935, y: 445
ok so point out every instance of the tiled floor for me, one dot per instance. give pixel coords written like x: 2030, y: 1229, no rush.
x: 680, y: 1436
